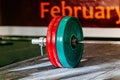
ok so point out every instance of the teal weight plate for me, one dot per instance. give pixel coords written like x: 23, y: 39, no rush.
x: 68, y: 55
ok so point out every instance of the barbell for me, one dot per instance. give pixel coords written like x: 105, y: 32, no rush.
x: 64, y: 41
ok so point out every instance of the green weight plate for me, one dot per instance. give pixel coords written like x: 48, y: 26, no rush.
x: 68, y: 55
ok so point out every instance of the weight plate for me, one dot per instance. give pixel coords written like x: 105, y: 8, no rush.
x: 68, y: 28
x: 54, y: 33
x: 49, y: 40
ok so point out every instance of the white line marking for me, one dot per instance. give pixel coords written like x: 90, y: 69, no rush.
x: 87, y: 76
x: 83, y: 60
x: 33, y: 66
x: 66, y: 72
x: 44, y: 58
x: 111, y: 74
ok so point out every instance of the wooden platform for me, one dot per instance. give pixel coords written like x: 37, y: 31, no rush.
x: 100, y: 62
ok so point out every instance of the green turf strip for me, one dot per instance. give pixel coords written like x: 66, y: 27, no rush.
x: 17, y: 51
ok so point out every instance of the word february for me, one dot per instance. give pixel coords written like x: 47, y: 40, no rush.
x: 91, y: 12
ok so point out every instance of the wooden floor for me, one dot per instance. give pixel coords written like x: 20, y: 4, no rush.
x: 100, y: 62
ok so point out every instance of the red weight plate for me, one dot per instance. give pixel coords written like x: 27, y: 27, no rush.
x: 48, y: 42
x: 54, y: 33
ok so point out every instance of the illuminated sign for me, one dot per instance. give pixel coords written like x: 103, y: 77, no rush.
x: 91, y: 13
x: 97, y: 12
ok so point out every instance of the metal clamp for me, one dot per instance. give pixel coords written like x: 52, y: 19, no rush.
x: 41, y: 42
